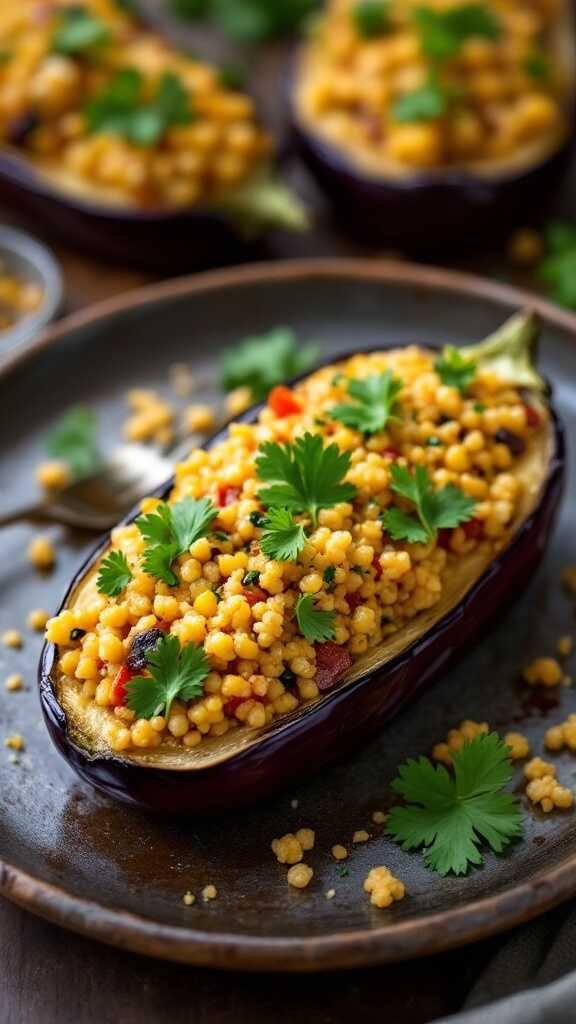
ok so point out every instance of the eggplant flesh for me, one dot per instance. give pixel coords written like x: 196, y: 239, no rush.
x: 246, y: 765
x: 385, y: 202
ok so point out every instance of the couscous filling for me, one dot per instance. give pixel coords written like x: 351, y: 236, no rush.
x: 323, y: 533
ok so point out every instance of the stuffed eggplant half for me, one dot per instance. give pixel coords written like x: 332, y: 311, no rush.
x: 305, y: 574
x: 123, y: 142
x: 427, y: 122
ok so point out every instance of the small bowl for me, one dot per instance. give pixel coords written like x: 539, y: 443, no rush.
x: 23, y: 255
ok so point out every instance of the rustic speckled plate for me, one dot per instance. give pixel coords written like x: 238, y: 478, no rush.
x: 109, y: 872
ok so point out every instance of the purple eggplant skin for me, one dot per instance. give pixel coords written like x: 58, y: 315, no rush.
x: 429, y: 211
x: 351, y: 715
x: 155, y: 239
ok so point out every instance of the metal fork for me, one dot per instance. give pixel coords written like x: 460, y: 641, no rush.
x: 98, y: 502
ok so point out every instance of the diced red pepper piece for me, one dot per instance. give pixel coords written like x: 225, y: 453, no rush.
x: 254, y: 594
x: 444, y: 538
x: 354, y: 600
x: 283, y: 401
x: 118, y: 693
x: 473, y: 529
x: 392, y: 453
x: 532, y: 416
x: 332, y: 661
x: 227, y: 495
x: 376, y: 566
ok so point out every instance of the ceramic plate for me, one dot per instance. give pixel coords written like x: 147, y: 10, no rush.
x: 109, y: 872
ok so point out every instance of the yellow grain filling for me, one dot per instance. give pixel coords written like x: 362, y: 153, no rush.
x: 261, y: 666
x: 44, y: 94
x: 509, y: 88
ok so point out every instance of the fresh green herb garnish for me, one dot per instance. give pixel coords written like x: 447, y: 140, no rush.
x: 304, y: 476
x: 427, y: 103
x: 557, y: 269
x: 257, y: 518
x: 316, y: 626
x: 433, y: 442
x: 115, y: 574
x: 79, y: 32
x: 342, y: 870
x: 5, y: 56
x: 454, y: 369
x: 376, y: 399
x: 442, y: 33
x: 121, y: 109
x: 232, y: 76
x: 175, y: 672
x: 73, y: 441
x: 371, y: 18
x: 434, y: 510
x: 249, y: 20
x: 358, y: 569
x: 450, y: 815
x: 220, y: 535
x: 537, y: 65
x: 262, y: 363
x: 329, y: 576
x: 479, y: 407
x: 283, y: 538
x: 251, y: 579
x: 170, y: 531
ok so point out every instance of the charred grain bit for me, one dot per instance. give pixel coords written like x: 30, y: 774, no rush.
x: 543, y: 672
x: 518, y: 744
x: 14, y: 683
x: 514, y: 443
x: 299, y: 876
x: 383, y: 887
x: 467, y: 730
x: 12, y: 638
x: 142, y: 644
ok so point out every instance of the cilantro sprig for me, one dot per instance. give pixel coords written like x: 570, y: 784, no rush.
x: 79, y: 31
x: 175, y: 672
x: 262, y: 362
x: 557, y: 269
x: 371, y: 18
x: 433, y: 510
x: 451, y: 815
x: 376, y: 400
x: 248, y: 20
x: 170, y: 531
x: 73, y: 440
x: 304, y: 476
x: 122, y: 109
x: 283, y: 538
x: 315, y: 625
x: 114, y: 575
x: 454, y: 369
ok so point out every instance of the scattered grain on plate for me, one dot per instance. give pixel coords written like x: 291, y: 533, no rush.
x: 151, y: 418
x: 15, y: 742
x: 565, y: 646
x: 361, y: 836
x: 209, y: 892
x: 330, y: 894
x: 288, y: 849
x: 37, y: 619
x: 339, y: 852
x: 561, y: 735
x: 299, y: 876
x: 238, y: 401
x: 568, y: 579
x: 12, y: 638
x: 547, y: 791
x: 519, y: 745
x: 379, y: 818
x: 537, y: 768
x: 54, y: 475
x: 188, y: 899
x: 543, y: 672
x: 182, y: 379
x: 41, y: 553
x: 199, y: 419
x: 14, y: 683
x: 306, y: 837
x: 383, y: 887
x: 467, y: 730
x: 525, y: 247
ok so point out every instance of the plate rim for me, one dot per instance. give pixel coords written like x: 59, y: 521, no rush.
x: 392, y: 942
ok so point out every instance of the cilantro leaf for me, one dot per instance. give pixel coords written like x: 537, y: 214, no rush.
x: 115, y: 574
x: 329, y: 577
x: 170, y: 531
x: 175, y: 672
x: 283, y: 539
x: 376, y: 399
x: 79, y: 31
x: 304, y: 476
x: 423, y: 104
x: 315, y: 625
x: 442, y: 33
x: 435, y: 510
x: 261, y: 363
x: 120, y: 109
x: 249, y: 20
x: 454, y: 369
x: 73, y: 441
x: 537, y: 65
x: 371, y: 18
x: 557, y: 269
x: 451, y: 816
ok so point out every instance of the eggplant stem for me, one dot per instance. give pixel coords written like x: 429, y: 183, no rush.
x: 511, y: 351
x: 265, y: 202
